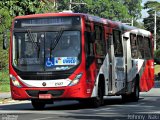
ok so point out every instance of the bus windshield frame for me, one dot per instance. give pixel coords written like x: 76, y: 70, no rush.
x: 42, y: 44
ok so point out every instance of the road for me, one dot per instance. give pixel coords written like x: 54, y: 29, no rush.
x: 114, y: 109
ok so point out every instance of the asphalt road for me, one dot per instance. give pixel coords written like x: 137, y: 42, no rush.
x: 148, y: 108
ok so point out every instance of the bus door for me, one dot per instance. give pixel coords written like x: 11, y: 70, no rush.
x: 111, y: 66
x: 117, y: 64
x: 128, y: 61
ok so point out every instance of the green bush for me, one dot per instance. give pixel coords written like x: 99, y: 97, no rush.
x: 4, y: 81
x: 157, y: 53
x: 3, y: 56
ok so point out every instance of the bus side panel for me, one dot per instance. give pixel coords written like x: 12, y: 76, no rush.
x: 147, y: 78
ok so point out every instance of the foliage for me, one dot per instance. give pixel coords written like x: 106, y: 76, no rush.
x: 156, y: 69
x: 152, y: 6
x: 25, y: 7
x: 4, y: 81
x: 111, y: 9
x: 4, y: 56
x: 134, y: 7
x: 149, y: 21
x: 157, y: 53
x: 5, y: 20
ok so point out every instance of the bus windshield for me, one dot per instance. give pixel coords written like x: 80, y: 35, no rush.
x: 46, y: 51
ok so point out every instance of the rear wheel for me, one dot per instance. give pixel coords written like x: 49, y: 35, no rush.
x: 135, y: 94
x: 38, y: 104
x: 125, y: 98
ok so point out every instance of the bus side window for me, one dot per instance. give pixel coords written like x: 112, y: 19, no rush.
x: 147, y: 48
x: 99, y: 41
x: 134, y: 49
x: 88, y: 46
x: 117, y: 41
x: 140, y: 47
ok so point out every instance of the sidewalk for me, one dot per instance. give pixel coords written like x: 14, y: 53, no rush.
x: 5, y: 95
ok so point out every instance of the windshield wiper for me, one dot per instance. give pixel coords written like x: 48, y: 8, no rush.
x: 55, y: 41
x: 36, y: 45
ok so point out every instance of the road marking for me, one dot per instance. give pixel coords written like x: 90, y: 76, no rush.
x: 43, y: 118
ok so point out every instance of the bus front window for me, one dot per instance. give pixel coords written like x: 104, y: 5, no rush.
x: 46, y: 51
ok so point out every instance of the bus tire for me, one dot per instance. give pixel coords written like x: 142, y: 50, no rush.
x: 125, y: 98
x: 135, y: 94
x: 37, y: 104
x: 98, y: 101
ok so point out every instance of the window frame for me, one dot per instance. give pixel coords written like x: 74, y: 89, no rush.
x: 134, y: 49
x: 115, y: 43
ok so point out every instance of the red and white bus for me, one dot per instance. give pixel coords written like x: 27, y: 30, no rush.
x: 61, y: 56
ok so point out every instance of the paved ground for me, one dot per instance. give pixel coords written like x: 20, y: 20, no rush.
x: 5, y: 95
x: 148, y: 108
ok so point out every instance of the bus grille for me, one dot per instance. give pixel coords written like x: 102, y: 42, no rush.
x: 44, y: 77
x: 54, y: 93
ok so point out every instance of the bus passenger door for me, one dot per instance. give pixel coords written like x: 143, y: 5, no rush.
x: 117, y: 64
x: 111, y: 81
x: 128, y: 62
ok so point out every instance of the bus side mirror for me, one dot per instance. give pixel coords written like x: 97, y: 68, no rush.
x: 90, y: 36
x: 4, y: 41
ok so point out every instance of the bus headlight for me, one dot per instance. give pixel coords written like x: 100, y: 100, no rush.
x: 76, y: 80
x: 15, y: 81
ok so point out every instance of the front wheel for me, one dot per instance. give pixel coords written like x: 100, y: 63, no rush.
x: 37, y: 104
x: 98, y: 101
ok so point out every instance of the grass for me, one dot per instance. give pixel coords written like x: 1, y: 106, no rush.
x: 156, y: 69
x: 5, y: 88
x: 4, y: 81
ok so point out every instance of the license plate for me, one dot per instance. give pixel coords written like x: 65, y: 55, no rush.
x: 45, y: 96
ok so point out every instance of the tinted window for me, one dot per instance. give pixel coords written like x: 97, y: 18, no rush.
x: 117, y: 43
x: 100, y: 44
x: 134, y: 50
x: 140, y: 47
x: 147, y: 48
x: 42, y: 51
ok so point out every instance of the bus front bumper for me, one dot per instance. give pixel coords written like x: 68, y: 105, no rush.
x: 69, y: 92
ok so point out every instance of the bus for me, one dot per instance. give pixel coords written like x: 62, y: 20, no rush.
x: 76, y: 56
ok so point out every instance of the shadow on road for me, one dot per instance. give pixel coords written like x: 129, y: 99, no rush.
x: 113, y: 109
x: 66, y: 105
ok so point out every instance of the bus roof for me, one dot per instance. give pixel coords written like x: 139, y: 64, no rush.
x: 107, y: 22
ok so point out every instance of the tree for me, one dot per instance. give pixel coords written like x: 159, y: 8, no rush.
x: 25, y: 7
x: 110, y: 9
x: 122, y: 10
x: 152, y: 6
x: 5, y: 20
x: 149, y: 21
x: 134, y: 7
